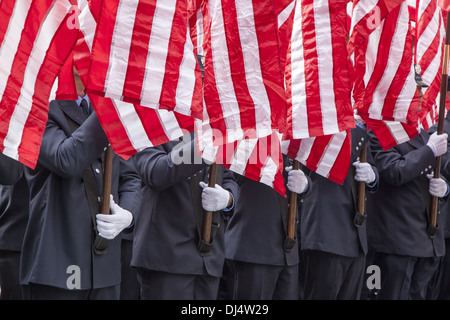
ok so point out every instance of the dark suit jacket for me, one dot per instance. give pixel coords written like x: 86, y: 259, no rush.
x: 10, y: 170
x: 14, y: 202
x: 166, y: 234
x: 256, y: 232
x: 397, y: 212
x: 327, y: 214
x: 60, y: 230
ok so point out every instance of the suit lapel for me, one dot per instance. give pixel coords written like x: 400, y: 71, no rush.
x: 419, y: 140
x: 72, y: 110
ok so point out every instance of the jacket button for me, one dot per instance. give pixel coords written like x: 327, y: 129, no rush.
x: 97, y: 170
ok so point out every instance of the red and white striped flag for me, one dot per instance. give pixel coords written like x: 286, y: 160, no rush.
x: 318, y: 83
x: 64, y: 87
x: 142, y: 54
x: 328, y: 155
x: 243, y: 77
x: 391, y: 133
x: 385, y: 88
x: 129, y: 127
x: 36, y: 38
x: 429, y: 50
x: 366, y: 16
x: 259, y: 159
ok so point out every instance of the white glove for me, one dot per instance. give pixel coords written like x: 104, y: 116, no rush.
x: 438, y: 143
x: 438, y: 187
x: 297, y: 181
x: 110, y: 225
x: 364, y: 172
x: 214, y: 199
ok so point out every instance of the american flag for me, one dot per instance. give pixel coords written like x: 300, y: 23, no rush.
x: 64, y: 86
x: 243, y: 77
x: 129, y: 127
x: 318, y: 83
x: 430, y: 38
x: 36, y: 38
x: 385, y: 91
x: 142, y: 54
x: 385, y: 88
x: 259, y: 159
x: 328, y: 155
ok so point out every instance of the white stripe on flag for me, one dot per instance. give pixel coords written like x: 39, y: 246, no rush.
x: 395, y: 56
x: 252, y: 65
x: 9, y: 46
x: 158, y: 49
x: 186, y: 80
x: 282, y: 17
x: 120, y: 48
x: 299, y: 110
x: 50, y: 25
x: 222, y: 70
x: 325, y: 65
x: 242, y: 154
x: 331, y: 153
x: 87, y: 23
x: 132, y: 124
x: 268, y: 172
x: 170, y: 124
x: 397, y: 131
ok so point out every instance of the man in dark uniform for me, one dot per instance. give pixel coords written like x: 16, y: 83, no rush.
x: 398, y: 214
x: 13, y: 220
x: 166, y: 252
x: 59, y: 259
x: 263, y: 267
x: 333, y: 233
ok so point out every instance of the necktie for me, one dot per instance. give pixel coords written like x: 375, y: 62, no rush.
x: 85, y: 107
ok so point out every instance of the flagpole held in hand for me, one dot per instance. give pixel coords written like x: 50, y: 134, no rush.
x: 292, y: 207
x: 207, y: 221
x: 440, y: 128
x: 362, y: 185
x: 101, y: 244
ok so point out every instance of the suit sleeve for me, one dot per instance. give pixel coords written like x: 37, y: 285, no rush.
x: 66, y: 155
x: 445, y: 158
x: 229, y: 182
x: 10, y: 170
x: 130, y: 195
x: 396, y: 168
x: 156, y: 169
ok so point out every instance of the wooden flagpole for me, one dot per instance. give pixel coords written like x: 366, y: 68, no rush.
x: 440, y: 127
x: 107, y: 177
x: 362, y: 184
x: 292, y: 207
x: 207, y: 221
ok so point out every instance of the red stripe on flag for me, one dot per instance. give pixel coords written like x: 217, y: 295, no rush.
x: 138, y: 51
x: 113, y: 126
x: 35, y: 16
x: 272, y: 74
x: 237, y: 65
x: 341, y: 73
x: 311, y: 68
x: 175, y: 55
x: 102, y: 47
x: 6, y: 11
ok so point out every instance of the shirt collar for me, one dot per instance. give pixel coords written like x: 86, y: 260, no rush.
x: 85, y: 98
